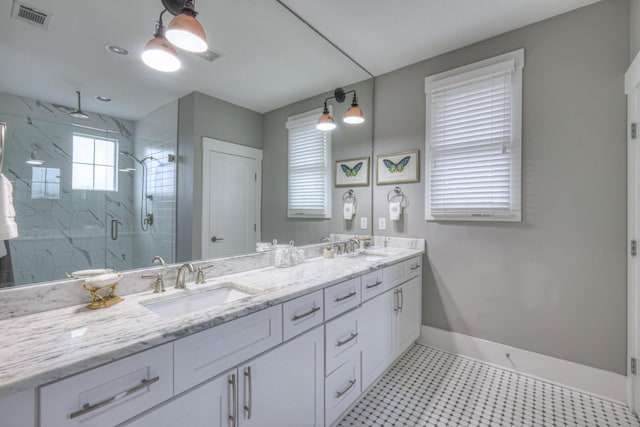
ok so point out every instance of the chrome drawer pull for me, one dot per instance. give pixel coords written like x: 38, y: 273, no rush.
x: 339, y: 394
x: 247, y: 406
x: 347, y: 296
x: 308, y: 313
x: 373, y: 285
x: 234, y: 399
x: 351, y: 337
x: 415, y: 267
x: 86, y: 408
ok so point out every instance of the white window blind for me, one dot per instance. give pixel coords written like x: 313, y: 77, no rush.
x: 309, y: 167
x: 473, y: 143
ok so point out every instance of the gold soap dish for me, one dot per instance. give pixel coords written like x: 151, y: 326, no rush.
x: 102, y: 288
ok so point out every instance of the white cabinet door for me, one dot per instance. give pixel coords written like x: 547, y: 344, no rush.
x: 377, y: 336
x: 408, y: 314
x: 210, y: 404
x: 284, y: 387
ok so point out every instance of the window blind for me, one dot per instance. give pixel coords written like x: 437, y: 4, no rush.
x: 309, y: 168
x: 473, y: 146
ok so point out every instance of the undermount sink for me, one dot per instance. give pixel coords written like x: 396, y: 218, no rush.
x: 195, y: 300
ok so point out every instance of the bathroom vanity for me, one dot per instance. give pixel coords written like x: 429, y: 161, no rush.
x: 295, y: 346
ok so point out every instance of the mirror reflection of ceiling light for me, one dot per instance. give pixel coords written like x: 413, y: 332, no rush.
x: 33, y: 159
x: 116, y: 49
x: 184, y: 31
x: 78, y: 114
x: 103, y: 98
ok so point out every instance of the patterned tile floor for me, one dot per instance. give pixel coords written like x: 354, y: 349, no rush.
x: 429, y: 387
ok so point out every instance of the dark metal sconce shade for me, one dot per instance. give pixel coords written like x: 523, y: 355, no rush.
x: 78, y: 114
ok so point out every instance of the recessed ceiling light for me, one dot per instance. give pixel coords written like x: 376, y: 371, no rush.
x: 116, y: 49
x: 103, y: 98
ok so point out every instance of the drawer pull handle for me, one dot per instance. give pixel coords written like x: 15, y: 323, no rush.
x: 249, y: 404
x: 234, y: 409
x: 415, y: 267
x: 347, y: 296
x: 303, y: 315
x: 344, y: 391
x: 351, y: 337
x: 86, y: 408
x: 373, y: 285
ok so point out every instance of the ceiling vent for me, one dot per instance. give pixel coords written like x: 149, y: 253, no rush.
x: 31, y: 15
x: 209, y: 55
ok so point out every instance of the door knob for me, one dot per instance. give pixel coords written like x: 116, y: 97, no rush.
x: 215, y: 239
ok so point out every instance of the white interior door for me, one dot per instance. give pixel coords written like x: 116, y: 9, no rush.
x: 232, y: 183
x: 632, y: 89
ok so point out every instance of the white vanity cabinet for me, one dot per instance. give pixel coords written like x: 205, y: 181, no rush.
x: 392, y: 319
x: 285, y: 386
x: 110, y: 394
x: 209, y: 404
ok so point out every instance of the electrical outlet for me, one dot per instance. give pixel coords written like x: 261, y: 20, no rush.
x: 382, y: 223
x: 363, y: 223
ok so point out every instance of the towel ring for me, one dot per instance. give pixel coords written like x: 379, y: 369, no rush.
x: 396, y: 193
x: 350, y: 195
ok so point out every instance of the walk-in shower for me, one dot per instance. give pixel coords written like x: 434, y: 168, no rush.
x: 146, y: 217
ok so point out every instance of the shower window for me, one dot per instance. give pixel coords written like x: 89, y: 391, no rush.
x: 45, y: 183
x: 94, y: 163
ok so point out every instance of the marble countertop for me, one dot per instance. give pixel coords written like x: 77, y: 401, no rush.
x: 43, y: 347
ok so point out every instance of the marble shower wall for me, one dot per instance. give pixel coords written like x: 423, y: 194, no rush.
x: 68, y: 229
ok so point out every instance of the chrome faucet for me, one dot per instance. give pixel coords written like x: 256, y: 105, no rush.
x: 349, y: 247
x: 180, y: 281
x: 158, y: 260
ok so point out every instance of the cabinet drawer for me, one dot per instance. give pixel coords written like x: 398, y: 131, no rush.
x: 110, y: 394
x: 302, y: 314
x: 372, y: 285
x: 341, y: 389
x: 206, y: 354
x: 341, y: 297
x: 341, y: 340
x: 401, y: 272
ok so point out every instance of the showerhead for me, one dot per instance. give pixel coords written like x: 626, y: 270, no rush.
x: 78, y: 114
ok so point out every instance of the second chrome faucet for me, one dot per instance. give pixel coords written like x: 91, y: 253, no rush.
x: 180, y: 279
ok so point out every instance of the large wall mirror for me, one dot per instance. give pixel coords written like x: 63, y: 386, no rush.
x: 125, y: 184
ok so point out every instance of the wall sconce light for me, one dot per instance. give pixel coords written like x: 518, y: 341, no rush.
x: 354, y: 114
x: 33, y: 159
x: 184, y: 31
x: 159, y: 54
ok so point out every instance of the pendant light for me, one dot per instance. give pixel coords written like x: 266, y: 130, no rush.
x: 185, y: 32
x: 33, y: 159
x: 353, y: 116
x: 158, y: 53
x: 78, y: 114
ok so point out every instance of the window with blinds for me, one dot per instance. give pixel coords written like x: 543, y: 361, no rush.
x: 473, y: 141
x: 309, y: 167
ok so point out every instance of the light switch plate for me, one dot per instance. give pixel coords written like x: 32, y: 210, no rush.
x: 382, y: 223
x: 363, y: 223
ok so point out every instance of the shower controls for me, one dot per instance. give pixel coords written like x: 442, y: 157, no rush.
x: 148, y: 220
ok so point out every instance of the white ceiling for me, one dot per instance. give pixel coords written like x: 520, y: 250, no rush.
x: 269, y: 57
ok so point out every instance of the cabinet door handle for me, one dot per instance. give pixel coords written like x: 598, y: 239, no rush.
x: 342, y: 392
x: 396, y: 305
x: 234, y: 402
x: 351, y: 337
x: 303, y: 315
x: 247, y: 406
x: 415, y: 267
x: 347, y: 296
x: 373, y: 285
x: 401, y: 292
x: 86, y: 408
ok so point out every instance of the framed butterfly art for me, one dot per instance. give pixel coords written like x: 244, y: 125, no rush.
x: 352, y: 172
x: 396, y: 168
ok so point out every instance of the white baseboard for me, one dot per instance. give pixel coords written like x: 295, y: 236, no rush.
x: 598, y: 382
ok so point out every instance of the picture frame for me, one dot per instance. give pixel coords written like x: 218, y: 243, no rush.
x: 352, y: 172
x: 397, y: 168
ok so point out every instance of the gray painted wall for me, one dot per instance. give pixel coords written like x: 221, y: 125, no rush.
x: 201, y: 115
x: 348, y: 141
x: 555, y: 283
